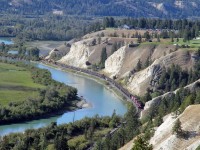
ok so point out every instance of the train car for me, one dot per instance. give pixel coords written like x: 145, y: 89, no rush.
x: 139, y: 104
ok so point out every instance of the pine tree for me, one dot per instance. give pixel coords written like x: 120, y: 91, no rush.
x: 177, y: 129
x: 3, y: 47
x: 139, y: 40
x: 139, y: 65
x: 60, y: 142
x: 114, y: 47
x: 141, y: 144
x: 158, y: 38
x: 103, y: 57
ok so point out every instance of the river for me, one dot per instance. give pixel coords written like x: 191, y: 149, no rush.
x: 103, y: 101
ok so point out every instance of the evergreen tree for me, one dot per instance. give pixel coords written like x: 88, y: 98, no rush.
x: 158, y: 121
x: 114, y: 47
x: 147, y: 63
x: 177, y: 129
x: 132, y: 123
x: 141, y: 144
x: 3, y: 47
x: 139, y: 65
x: 103, y: 57
x: 139, y: 40
x: 158, y: 38
x: 60, y: 142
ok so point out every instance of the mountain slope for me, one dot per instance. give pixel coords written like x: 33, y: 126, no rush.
x: 163, y: 138
x: 134, y: 8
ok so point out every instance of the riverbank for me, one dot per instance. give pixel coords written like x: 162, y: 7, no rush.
x: 48, y: 102
x: 103, y: 102
x: 106, y: 84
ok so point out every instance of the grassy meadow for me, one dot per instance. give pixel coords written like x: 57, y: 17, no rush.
x: 16, y: 84
x: 195, y: 43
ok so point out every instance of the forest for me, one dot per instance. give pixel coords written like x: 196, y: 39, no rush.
x: 77, y: 135
x: 43, y: 28
x: 66, y: 27
x: 173, y: 78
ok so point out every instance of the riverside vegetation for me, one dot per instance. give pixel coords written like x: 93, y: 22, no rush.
x: 62, y: 137
x: 50, y: 96
x: 78, y: 135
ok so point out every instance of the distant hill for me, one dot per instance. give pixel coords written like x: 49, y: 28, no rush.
x: 133, y: 8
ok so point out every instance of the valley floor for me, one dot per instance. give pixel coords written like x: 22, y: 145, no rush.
x: 16, y: 84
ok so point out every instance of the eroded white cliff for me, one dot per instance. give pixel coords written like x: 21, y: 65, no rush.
x: 140, y: 81
x: 165, y: 140
x: 114, y: 63
x: 78, y: 54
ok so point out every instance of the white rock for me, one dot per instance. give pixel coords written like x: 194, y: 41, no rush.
x: 114, y: 63
x: 78, y: 55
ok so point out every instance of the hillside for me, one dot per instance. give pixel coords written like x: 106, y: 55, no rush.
x: 133, y: 8
x: 163, y: 139
x: 122, y: 57
x: 162, y: 64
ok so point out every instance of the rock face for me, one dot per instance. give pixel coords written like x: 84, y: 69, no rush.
x: 131, y: 56
x: 78, y: 55
x: 114, y: 63
x: 58, y: 52
x: 86, y: 50
x: 140, y: 81
x: 163, y: 138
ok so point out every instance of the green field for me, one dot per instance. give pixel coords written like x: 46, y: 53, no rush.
x: 195, y: 43
x: 16, y: 84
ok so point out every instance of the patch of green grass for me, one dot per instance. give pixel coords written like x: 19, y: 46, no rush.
x: 16, y: 84
x: 195, y: 43
x: 7, y: 96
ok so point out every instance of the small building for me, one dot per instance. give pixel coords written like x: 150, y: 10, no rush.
x: 126, y: 27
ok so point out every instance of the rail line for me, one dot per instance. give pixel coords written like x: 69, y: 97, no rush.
x: 131, y: 98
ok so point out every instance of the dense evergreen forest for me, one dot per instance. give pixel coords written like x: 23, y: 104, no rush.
x: 67, y: 28
x: 44, y: 28
x: 133, y: 8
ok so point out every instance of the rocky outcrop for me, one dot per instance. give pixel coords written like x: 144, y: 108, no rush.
x: 114, y: 63
x: 83, y: 104
x: 78, y: 54
x: 140, y: 81
x: 86, y: 50
x: 59, y: 51
x: 163, y: 138
x: 57, y: 54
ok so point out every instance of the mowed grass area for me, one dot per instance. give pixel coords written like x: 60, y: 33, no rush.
x: 16, y: 84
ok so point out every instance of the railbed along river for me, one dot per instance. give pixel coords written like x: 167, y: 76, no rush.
x: 103, y: 101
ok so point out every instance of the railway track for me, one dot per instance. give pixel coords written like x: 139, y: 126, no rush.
x: 131, y: 98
